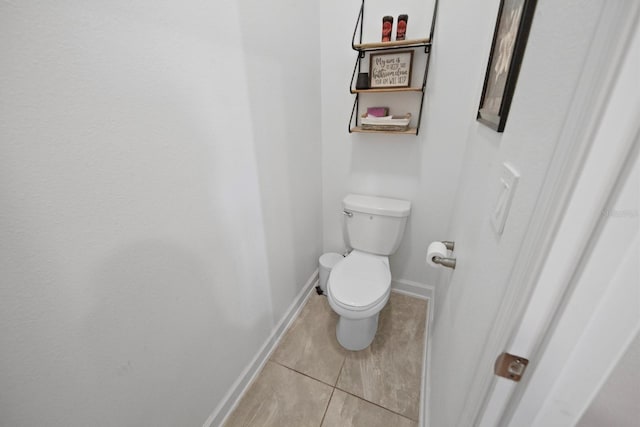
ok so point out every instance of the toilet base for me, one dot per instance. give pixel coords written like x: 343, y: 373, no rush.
x: 357, y: 334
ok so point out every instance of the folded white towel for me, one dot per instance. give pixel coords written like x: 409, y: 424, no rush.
x: 386, y: 120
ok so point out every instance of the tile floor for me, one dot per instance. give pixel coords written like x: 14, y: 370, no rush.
x: 311, y: 381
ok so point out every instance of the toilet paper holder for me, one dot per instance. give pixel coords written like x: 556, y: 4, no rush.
x: 443, y: 261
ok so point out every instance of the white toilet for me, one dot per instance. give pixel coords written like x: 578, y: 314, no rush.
x: 360, y: 284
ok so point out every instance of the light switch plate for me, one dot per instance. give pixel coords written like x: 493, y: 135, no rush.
x: 508, y: 183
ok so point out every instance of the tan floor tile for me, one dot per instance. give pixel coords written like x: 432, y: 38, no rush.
x: 346, y: 410
x: 389, y: 372
x: 281, y: 397
x: 310, y: 346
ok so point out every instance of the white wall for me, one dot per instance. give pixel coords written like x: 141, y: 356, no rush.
x: 422, y: 169
x: 617, y: 401
x: 160, y: 189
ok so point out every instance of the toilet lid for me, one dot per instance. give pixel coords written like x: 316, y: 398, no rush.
x: 360, y: 280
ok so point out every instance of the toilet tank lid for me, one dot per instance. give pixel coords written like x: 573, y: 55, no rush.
x: 377, y: 205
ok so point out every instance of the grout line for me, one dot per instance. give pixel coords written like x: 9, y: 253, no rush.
x: 376, y: 404
x: 302, y: 373
x: 340, y: 372
x: 327, y: 408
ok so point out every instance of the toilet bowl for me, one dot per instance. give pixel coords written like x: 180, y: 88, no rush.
x: 358, y: 288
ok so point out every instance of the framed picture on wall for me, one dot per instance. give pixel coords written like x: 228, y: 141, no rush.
x: 507, y: 50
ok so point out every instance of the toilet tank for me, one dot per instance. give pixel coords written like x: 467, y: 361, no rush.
x: 374, y: 224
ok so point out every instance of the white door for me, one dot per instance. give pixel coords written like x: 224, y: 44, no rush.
x: 585, y: 309
x: 478, y: 306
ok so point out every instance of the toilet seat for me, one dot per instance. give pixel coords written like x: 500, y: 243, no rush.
x: 360, y: 281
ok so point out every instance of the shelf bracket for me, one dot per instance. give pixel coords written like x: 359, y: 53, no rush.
x: 359, y: 23
x: 353, y: 110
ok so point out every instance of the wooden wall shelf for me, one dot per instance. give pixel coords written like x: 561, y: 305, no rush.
x: 395, y: 89
x: 393, y: 44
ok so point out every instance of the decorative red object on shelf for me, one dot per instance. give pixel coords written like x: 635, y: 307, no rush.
x: 387, y: 27
x: 401, y: 29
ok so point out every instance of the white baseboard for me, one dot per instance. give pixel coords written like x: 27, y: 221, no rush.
x: 232, y: 398
x: 414, y: 289
x: 425, y: 386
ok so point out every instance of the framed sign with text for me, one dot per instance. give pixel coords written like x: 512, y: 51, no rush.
x: 389, y: 70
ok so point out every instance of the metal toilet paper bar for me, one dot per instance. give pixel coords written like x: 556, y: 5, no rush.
x: 446, y: 262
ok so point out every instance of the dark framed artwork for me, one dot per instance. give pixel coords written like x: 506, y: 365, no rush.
x: 507, y: 50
